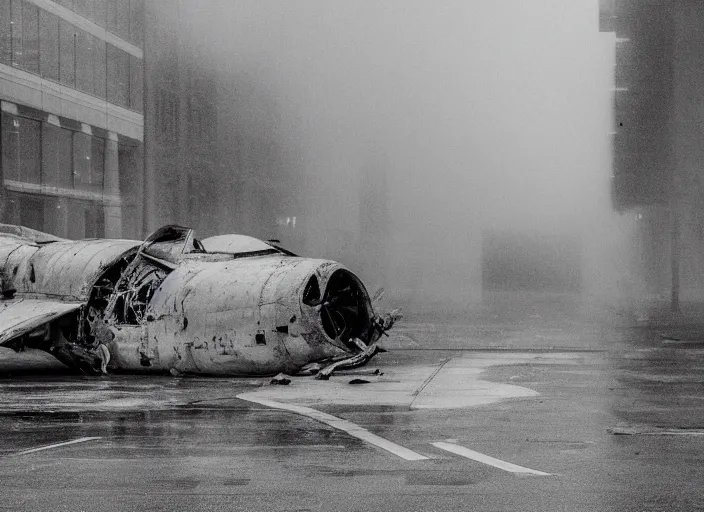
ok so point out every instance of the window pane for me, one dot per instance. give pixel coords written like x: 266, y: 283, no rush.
x: 76, y: 219
x: 17, y: 33
x: 136, y: 21
x: 56, y: 156
x: 118, y: 76
x: 123, y: 18
x: 97, y: 160
x: 131, y: 189
x: 10, y: 147
x: 84, y: 8
x: 84, y: 61
x: 5, y: 33
x: 99, y: 69
x: 119, y: 18
x: 94, y: 220
x: 67, y: 71
x: 136, y: 83
x: 111, y: 17
x: 31, y: 211
x: 52, y: 211
x: 49, y: 45
x: 30, y: 37
x: 81, y: 160
x: 50, y: 152
x: 29, y: 150
x: 100, y: 8
x: 11, y: 208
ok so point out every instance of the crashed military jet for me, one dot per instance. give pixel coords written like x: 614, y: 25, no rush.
x: 226, y: 305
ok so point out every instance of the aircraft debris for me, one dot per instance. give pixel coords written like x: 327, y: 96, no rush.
x: 280, y: 380
x: 354, y: 361
x: 310, y: 369
x: 359, y: 381
x: 226, y: 305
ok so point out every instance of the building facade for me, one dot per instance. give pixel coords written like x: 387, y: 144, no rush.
x: 72, y: 123
x: 658, y: 144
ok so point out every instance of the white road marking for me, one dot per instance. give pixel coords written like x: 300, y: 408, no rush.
x: 57, y: 445
x: 480, y: 457
x: 340, y: 424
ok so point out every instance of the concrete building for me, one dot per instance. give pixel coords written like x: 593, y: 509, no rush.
x: 71, y: 85
x: 658, y: 145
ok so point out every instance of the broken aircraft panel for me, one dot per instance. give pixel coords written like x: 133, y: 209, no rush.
x: 226, y: 305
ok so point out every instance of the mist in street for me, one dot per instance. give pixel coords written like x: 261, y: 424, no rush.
x: 429, y: 146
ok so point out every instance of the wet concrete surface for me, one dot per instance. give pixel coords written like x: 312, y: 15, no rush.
x: 613, y: 410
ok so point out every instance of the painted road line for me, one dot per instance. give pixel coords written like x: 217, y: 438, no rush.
x: 340, y: 424
x: 57, y: 445
x: 480, y: 457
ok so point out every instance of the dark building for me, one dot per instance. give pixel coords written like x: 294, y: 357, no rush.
x: 71, y: 85
x: 658, y: 144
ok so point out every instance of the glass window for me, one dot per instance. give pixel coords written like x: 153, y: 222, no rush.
x: 85, y: 219
x: 118, y: 15
x: 137, y: 22
x: 81, y: 160
x: 21, y: 149
x: 76, y: 219
x: 31, y: 211
x: 100, y: 11
x: 52, y: 213
x: 97, y: 163
x: 56, y: 156
x: 118, y: 76
x: 11, y: 208
x: 99, y: 68
x: 111, y: 17
x: 30, y: 150
x: 16, y: 32
x: 94, y: 220
x: 94, y: 10
x: 10, y: 146
x: 49, y: 45
x: 88, y: 162
x: 84, y: 8
x: 130, y: 166
x: 30, y: 38
x: 84, y: 61
x: 67, y: 55
x: 136, y: 83
x: 5, y: 33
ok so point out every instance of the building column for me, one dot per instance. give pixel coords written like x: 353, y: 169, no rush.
x: 112, y: 205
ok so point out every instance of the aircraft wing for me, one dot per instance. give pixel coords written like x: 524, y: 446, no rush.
x: 22, y: 316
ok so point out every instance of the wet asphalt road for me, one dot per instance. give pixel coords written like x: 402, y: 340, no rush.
x: 617, y: 421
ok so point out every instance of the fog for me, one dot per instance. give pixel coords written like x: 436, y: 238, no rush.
x: 436, y: 148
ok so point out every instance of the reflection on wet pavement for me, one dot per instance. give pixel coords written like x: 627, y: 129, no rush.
x: 616, y: 414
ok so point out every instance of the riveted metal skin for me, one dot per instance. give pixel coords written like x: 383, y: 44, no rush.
x: 66, y: 269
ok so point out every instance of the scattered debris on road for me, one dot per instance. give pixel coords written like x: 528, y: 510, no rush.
x: 280, y: 380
